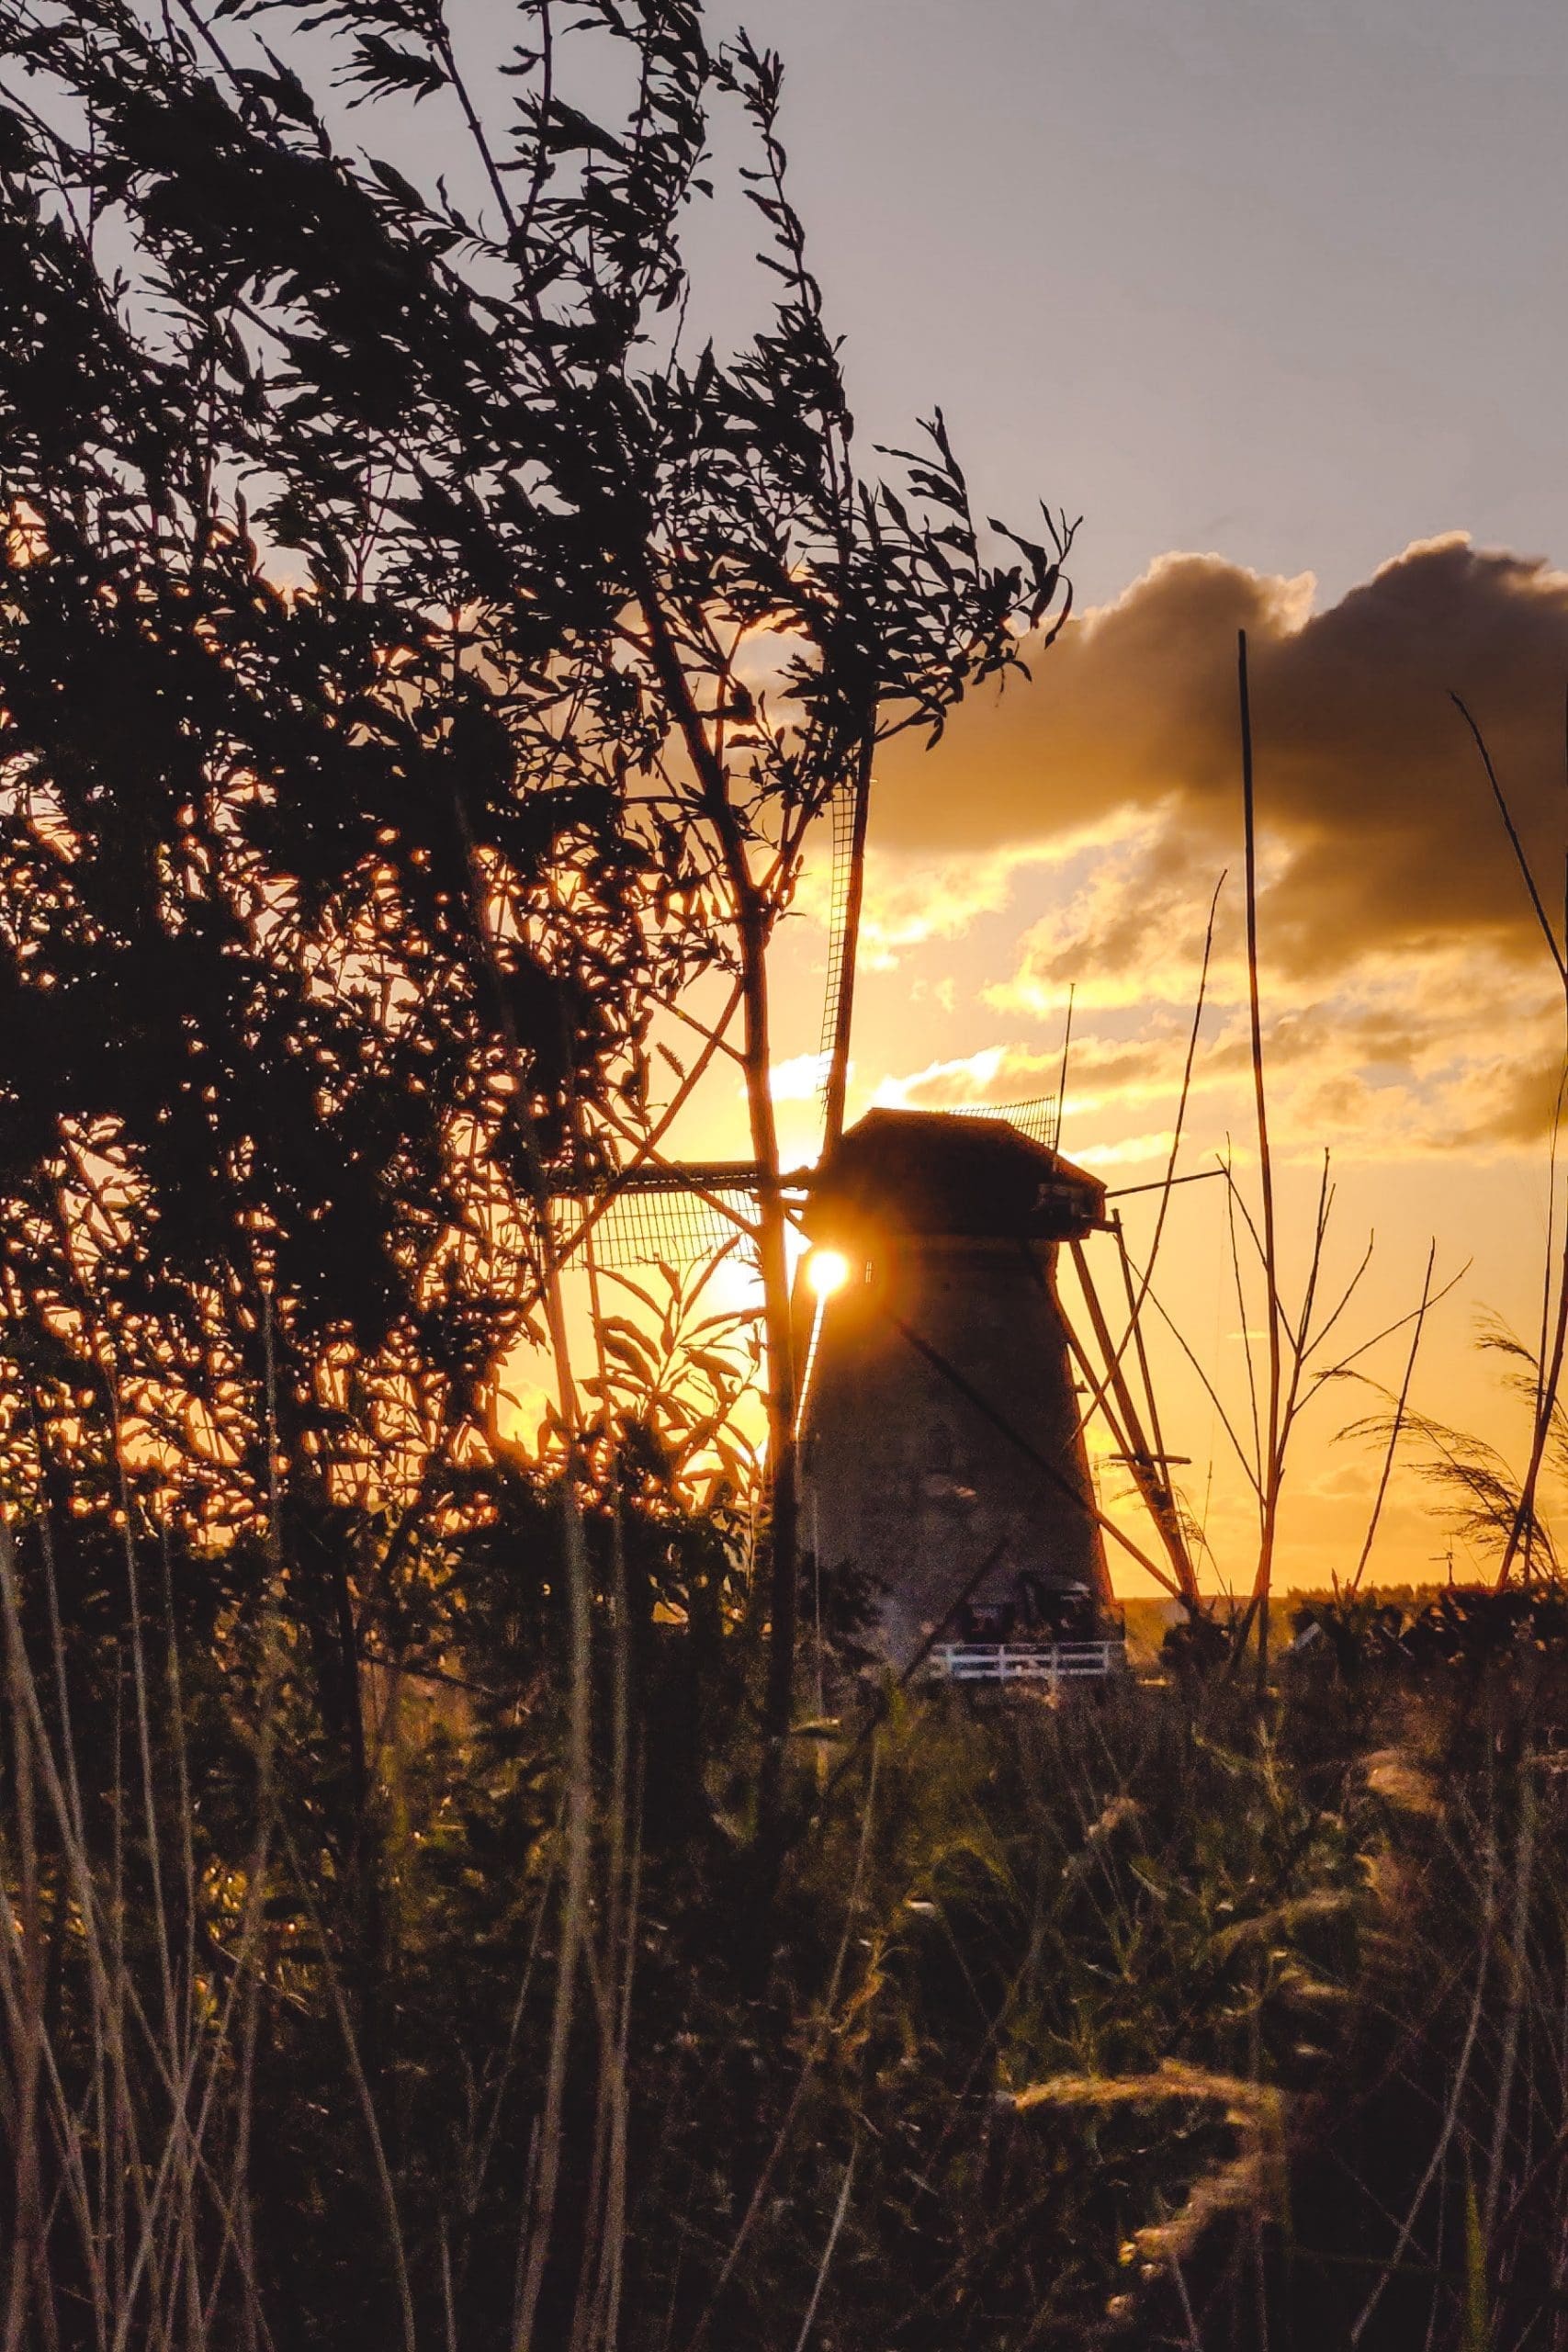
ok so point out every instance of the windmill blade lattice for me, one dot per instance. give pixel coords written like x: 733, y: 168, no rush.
x: 1036, y: 1119
x: 1040, y: 1118
x: 670, y: 1223
x: 841, y: 813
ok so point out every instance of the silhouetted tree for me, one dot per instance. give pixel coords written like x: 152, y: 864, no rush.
x: 418, y: 667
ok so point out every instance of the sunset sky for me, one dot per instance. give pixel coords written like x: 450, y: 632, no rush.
x: 1271, y: 294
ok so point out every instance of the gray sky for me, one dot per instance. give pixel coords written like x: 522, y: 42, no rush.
x: 1282, y: 278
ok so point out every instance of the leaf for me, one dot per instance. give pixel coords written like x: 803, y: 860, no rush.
x: 382, y: 68
x: 396, y: 185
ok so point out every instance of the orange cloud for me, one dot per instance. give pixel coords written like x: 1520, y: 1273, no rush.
x: 1410, y: 1004
x: 1369, y: 790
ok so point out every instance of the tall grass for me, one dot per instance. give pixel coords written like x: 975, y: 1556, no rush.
x: 1147, y: 2013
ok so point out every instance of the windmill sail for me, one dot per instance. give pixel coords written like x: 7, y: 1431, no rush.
x: 669, y: 1226
x: 674, y: 1215
x: 851, y: 809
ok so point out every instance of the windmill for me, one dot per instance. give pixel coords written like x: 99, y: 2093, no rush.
x: 943, y: 1390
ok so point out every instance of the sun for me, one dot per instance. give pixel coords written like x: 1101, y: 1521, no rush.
x: 827, y: 1270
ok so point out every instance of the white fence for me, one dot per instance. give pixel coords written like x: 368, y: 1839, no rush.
x: 1047, y: 1662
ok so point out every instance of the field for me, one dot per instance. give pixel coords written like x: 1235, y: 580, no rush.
x: 1164, y: 2014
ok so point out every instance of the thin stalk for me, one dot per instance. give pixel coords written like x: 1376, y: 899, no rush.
x: 1141, y: 1455
x: 750, y: 913
x: 449, y: 2309
x: 610, y: 2085
x: 1524, y: 1861
x: 478, y: 2160
x: 1398, y: 1422
x: 1549, y: 1382
x: 182, y: 2246
x: 1548, y: 1385
x: 68, y: 2125
x: 1520, y: 859
x: 121, y: 2161
x: 820, y: 2280
x: 1549, y: 1261
x: 26, y: 2269
x: 1450, y: 2113
x: 1248, y: 1465
x: 813, y: 2060
x: 1061, y: 1079
x: 613, y: 2236
x: 1098, y: 1385
x: 1270, y: 1465
x: 366, y: 2104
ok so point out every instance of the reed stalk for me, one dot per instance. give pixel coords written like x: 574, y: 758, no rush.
x: 1273, y: 1461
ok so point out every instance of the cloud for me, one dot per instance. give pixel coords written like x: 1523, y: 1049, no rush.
x: 799, y: 1080
x: 1371, y: 798
x: 1409, y: 1001
x: 949, y: 1086
x: 912, y: 902
x: 1434, y: 1053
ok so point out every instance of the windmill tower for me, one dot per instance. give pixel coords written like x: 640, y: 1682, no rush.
x: 941, y: 1384
x: 943, y: 1448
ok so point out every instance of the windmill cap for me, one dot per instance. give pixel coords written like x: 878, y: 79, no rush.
x: 951, y: 1173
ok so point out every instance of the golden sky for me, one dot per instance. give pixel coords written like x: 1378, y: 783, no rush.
x: 1072, y: 830
x: 1269, y: 291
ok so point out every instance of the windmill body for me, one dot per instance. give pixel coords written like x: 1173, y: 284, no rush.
x: 943, y: 1450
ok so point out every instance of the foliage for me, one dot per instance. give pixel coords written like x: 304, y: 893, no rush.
x: 418, y: 668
